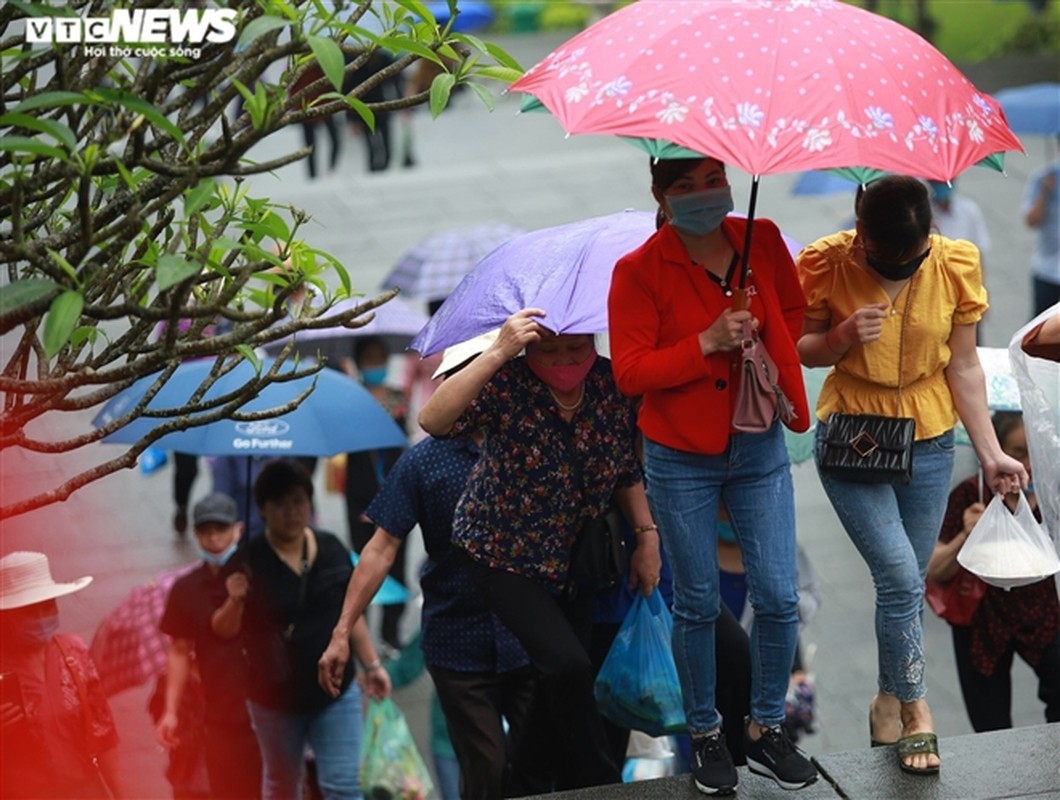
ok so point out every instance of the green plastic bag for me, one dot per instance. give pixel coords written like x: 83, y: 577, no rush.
x: 391, y: 766
x: 637, y: 686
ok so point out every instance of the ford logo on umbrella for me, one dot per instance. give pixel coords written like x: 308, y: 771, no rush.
x: 263, y: 427
x: 261, y: 435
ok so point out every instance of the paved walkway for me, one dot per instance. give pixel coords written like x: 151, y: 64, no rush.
x: 473, y: 166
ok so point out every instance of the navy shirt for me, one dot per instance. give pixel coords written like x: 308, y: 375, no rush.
x: 424, y: 486
x: 189, y: 608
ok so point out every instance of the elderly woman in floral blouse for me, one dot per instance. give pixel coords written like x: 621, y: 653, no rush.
x: 559, y: 448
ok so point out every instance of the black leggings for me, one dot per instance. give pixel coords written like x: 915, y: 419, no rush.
x: 988, y: 699
x: 563, y: 745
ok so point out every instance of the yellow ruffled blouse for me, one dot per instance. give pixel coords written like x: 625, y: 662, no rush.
x: 947, y: 290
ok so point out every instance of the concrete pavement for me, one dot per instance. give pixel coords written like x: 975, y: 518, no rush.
x: 473, y: 166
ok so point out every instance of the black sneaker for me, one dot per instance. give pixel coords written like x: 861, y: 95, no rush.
x: 712, y: 767
x: 774, y: 756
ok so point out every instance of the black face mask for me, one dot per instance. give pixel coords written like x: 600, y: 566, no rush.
x: 897, y: 272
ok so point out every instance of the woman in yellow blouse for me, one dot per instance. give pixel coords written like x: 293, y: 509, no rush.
x: 862, y: 286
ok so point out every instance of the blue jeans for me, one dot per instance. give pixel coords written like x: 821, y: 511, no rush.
x: 894, y: 526
x: 334, y: 733
x: 753, y: 477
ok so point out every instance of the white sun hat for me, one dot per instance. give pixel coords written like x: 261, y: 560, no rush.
x: 26, y: 578
x: 453, y: 357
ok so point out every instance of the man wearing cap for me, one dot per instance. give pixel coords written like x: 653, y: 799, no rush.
x: 57, y: 734
x: 233, y: 761
x: 480, y: 670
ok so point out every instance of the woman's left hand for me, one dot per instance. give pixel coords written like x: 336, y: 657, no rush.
x: 1005, y: 475
x: 645, y: 564
x: 377, y: 684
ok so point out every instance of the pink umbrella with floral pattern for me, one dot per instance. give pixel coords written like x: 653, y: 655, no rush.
x: 771, y: 86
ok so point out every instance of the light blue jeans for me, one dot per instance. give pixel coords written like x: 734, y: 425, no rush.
x: 894, y: 526
x: 334, y: 733
x: 753, y: 476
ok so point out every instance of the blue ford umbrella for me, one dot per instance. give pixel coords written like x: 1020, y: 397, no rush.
x: 338, y: 416
x: 1034, y: 108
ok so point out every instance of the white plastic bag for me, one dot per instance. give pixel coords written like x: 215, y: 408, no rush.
x: 1006, y: 549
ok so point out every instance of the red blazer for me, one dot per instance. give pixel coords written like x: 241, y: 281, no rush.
x: 659, y: 303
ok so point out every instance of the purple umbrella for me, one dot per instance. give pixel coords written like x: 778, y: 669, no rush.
x: 564, y: 270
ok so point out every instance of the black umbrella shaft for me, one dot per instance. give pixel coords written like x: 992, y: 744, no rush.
x: 747, y: 236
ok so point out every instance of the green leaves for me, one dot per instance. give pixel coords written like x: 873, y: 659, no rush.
x: 329, y: 56
x: 62, y: 318
x: 172, y: 269
x: 22, y: 293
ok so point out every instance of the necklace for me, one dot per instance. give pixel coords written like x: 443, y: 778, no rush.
x: 726, y: 282
x: 563, y: 406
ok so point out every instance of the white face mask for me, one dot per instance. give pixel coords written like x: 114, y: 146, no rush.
x: 217, y: 559
x: 40, y: 631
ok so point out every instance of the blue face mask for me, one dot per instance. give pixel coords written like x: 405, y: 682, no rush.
x: 373, y: 376
x: 699, y: 213
x: 40, y: 631
x: 217, y: 559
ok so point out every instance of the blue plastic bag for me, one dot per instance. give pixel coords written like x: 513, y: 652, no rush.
x: 637, y: 686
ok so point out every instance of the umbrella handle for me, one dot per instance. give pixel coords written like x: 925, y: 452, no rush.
x: 740, y: 299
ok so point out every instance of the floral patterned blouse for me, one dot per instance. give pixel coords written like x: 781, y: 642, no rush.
x: 540, y: 476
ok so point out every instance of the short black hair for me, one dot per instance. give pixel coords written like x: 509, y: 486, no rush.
x: 362, y: 344
x: 666, y: 171
x: 279, y: 478
x: 1005, y: 422
x: 895, y: 215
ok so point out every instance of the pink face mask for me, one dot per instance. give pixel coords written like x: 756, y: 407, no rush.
x: 562, y: 377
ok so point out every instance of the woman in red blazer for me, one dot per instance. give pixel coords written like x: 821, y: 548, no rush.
x: 675, y: 340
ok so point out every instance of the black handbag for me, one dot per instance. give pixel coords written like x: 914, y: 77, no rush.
x: 598, y: 560
x: 867, y: 448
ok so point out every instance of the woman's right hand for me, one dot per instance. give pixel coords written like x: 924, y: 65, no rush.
x: 519, y: 330
x: 725, y: 333
x: 864, y: 325
x: 166, y: 732
x: 10, y: 714
x: 971, y: 516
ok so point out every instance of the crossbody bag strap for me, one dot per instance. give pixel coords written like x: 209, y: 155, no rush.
x: 303, y: 580
x: 901, y: 339
x: 86, y: 714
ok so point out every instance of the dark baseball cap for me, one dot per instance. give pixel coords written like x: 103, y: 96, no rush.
x: 216, y: 507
